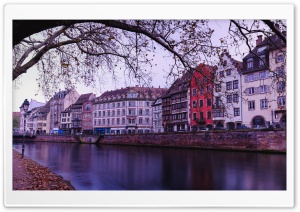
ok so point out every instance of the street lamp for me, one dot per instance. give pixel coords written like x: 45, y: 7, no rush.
x: 25, y: 108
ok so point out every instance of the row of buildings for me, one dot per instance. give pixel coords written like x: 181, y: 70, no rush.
x: 249, y: 93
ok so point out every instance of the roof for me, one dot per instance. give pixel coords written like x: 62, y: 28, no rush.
x: 143, y: 92
x: 182, y: 84
x: 83, y: 98
x: 271, y: 42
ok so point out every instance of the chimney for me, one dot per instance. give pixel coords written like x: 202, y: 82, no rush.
x: 277, y: 26
x: 259, y: 40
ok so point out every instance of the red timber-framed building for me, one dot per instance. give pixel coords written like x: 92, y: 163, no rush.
x: 201, y: 98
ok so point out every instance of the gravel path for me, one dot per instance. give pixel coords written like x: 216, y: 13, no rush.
x: 29, y: 175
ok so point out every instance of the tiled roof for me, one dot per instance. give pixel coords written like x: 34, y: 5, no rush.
x: 83, y: 98
x: 142, y: 91
x: 271, y: 42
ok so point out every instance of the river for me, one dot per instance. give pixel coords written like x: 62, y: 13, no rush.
x: 111, y: 167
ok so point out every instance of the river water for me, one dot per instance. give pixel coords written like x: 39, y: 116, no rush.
x: 109, y: 167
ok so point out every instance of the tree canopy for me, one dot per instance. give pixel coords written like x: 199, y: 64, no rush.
x: 70, y: 51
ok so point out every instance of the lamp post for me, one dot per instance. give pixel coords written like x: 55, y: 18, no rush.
x: 25, y: 109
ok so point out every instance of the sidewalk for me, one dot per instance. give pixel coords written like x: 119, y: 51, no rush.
x: 29, y: 175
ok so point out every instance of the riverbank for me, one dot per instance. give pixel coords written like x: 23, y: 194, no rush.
x: 29, y: 175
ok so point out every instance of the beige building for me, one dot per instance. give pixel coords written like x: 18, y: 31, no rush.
x: 261, y: 75
x: 58, y: 103
x: 125, y: 110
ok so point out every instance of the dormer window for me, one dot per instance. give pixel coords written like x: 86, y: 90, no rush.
x: 279, y: 57
x: 250, y: 63
x: 262, y: 60
x: 261, y: 49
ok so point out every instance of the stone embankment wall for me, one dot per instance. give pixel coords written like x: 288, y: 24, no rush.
x: 248, y: 140
x: 240, y: 140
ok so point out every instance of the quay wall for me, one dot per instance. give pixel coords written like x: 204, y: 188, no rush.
x: 232, y: 140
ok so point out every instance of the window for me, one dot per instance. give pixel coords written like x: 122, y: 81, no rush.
x: 235, y: 97
x: 251, y: 105
x: 147, y: 112
x: 103, y: 113
x: 229, y: 99
x: 201, y: 103
x: 281, y: 86
x: 218, y: 87
x: 235, y: 84
x: 281, y: 101
x: 140, y: 121
x: 280, y: 71
x: 131, y: 104
x: 194, y: 92
x: 218, y: 101
x: 228, y: 72
x: 263, y: 103
x: 147, y: 104
x: 221, y: 74
x: 194, y: 116
x: 228, y: 85
x: 250, y: 63
x: 208, y: 102
x: 201, y: 115
x: 208, y: 88
x: 147, y: 120
x: 140, y: 112
x: 250, y: 77
x: 131, y: 112
x: 194, y: 104
x: 218, y: 113
x: 263, y: 89
x: 118, y: 121
x: 262, y: 60
x: 198, y: 81
x: 201, y: 90
x: 236, y: 111
x: 209, y: 115
x: 262, y: 75
x: 251, y: 90
x: 279, y: 57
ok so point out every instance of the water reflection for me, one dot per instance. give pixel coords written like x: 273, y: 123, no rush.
x: 104, y: 167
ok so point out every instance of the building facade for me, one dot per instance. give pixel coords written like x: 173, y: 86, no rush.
x: 176, y: 105
x: 126, y: 110
x: 58, y: 103
x: 227, y: 107
x: 201, y: 98
x: 157, y: 116
x: 264, y: 83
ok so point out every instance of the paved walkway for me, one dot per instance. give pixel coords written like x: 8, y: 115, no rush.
x: 29, y: 175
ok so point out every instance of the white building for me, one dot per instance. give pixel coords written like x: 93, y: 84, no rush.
x: 227, y: 107
x: 157, y: 116
x: 30, y: 125
x: 263, y: 73
x: 126, y: 110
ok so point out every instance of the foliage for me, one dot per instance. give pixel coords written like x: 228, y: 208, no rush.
x: 70, y: 51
